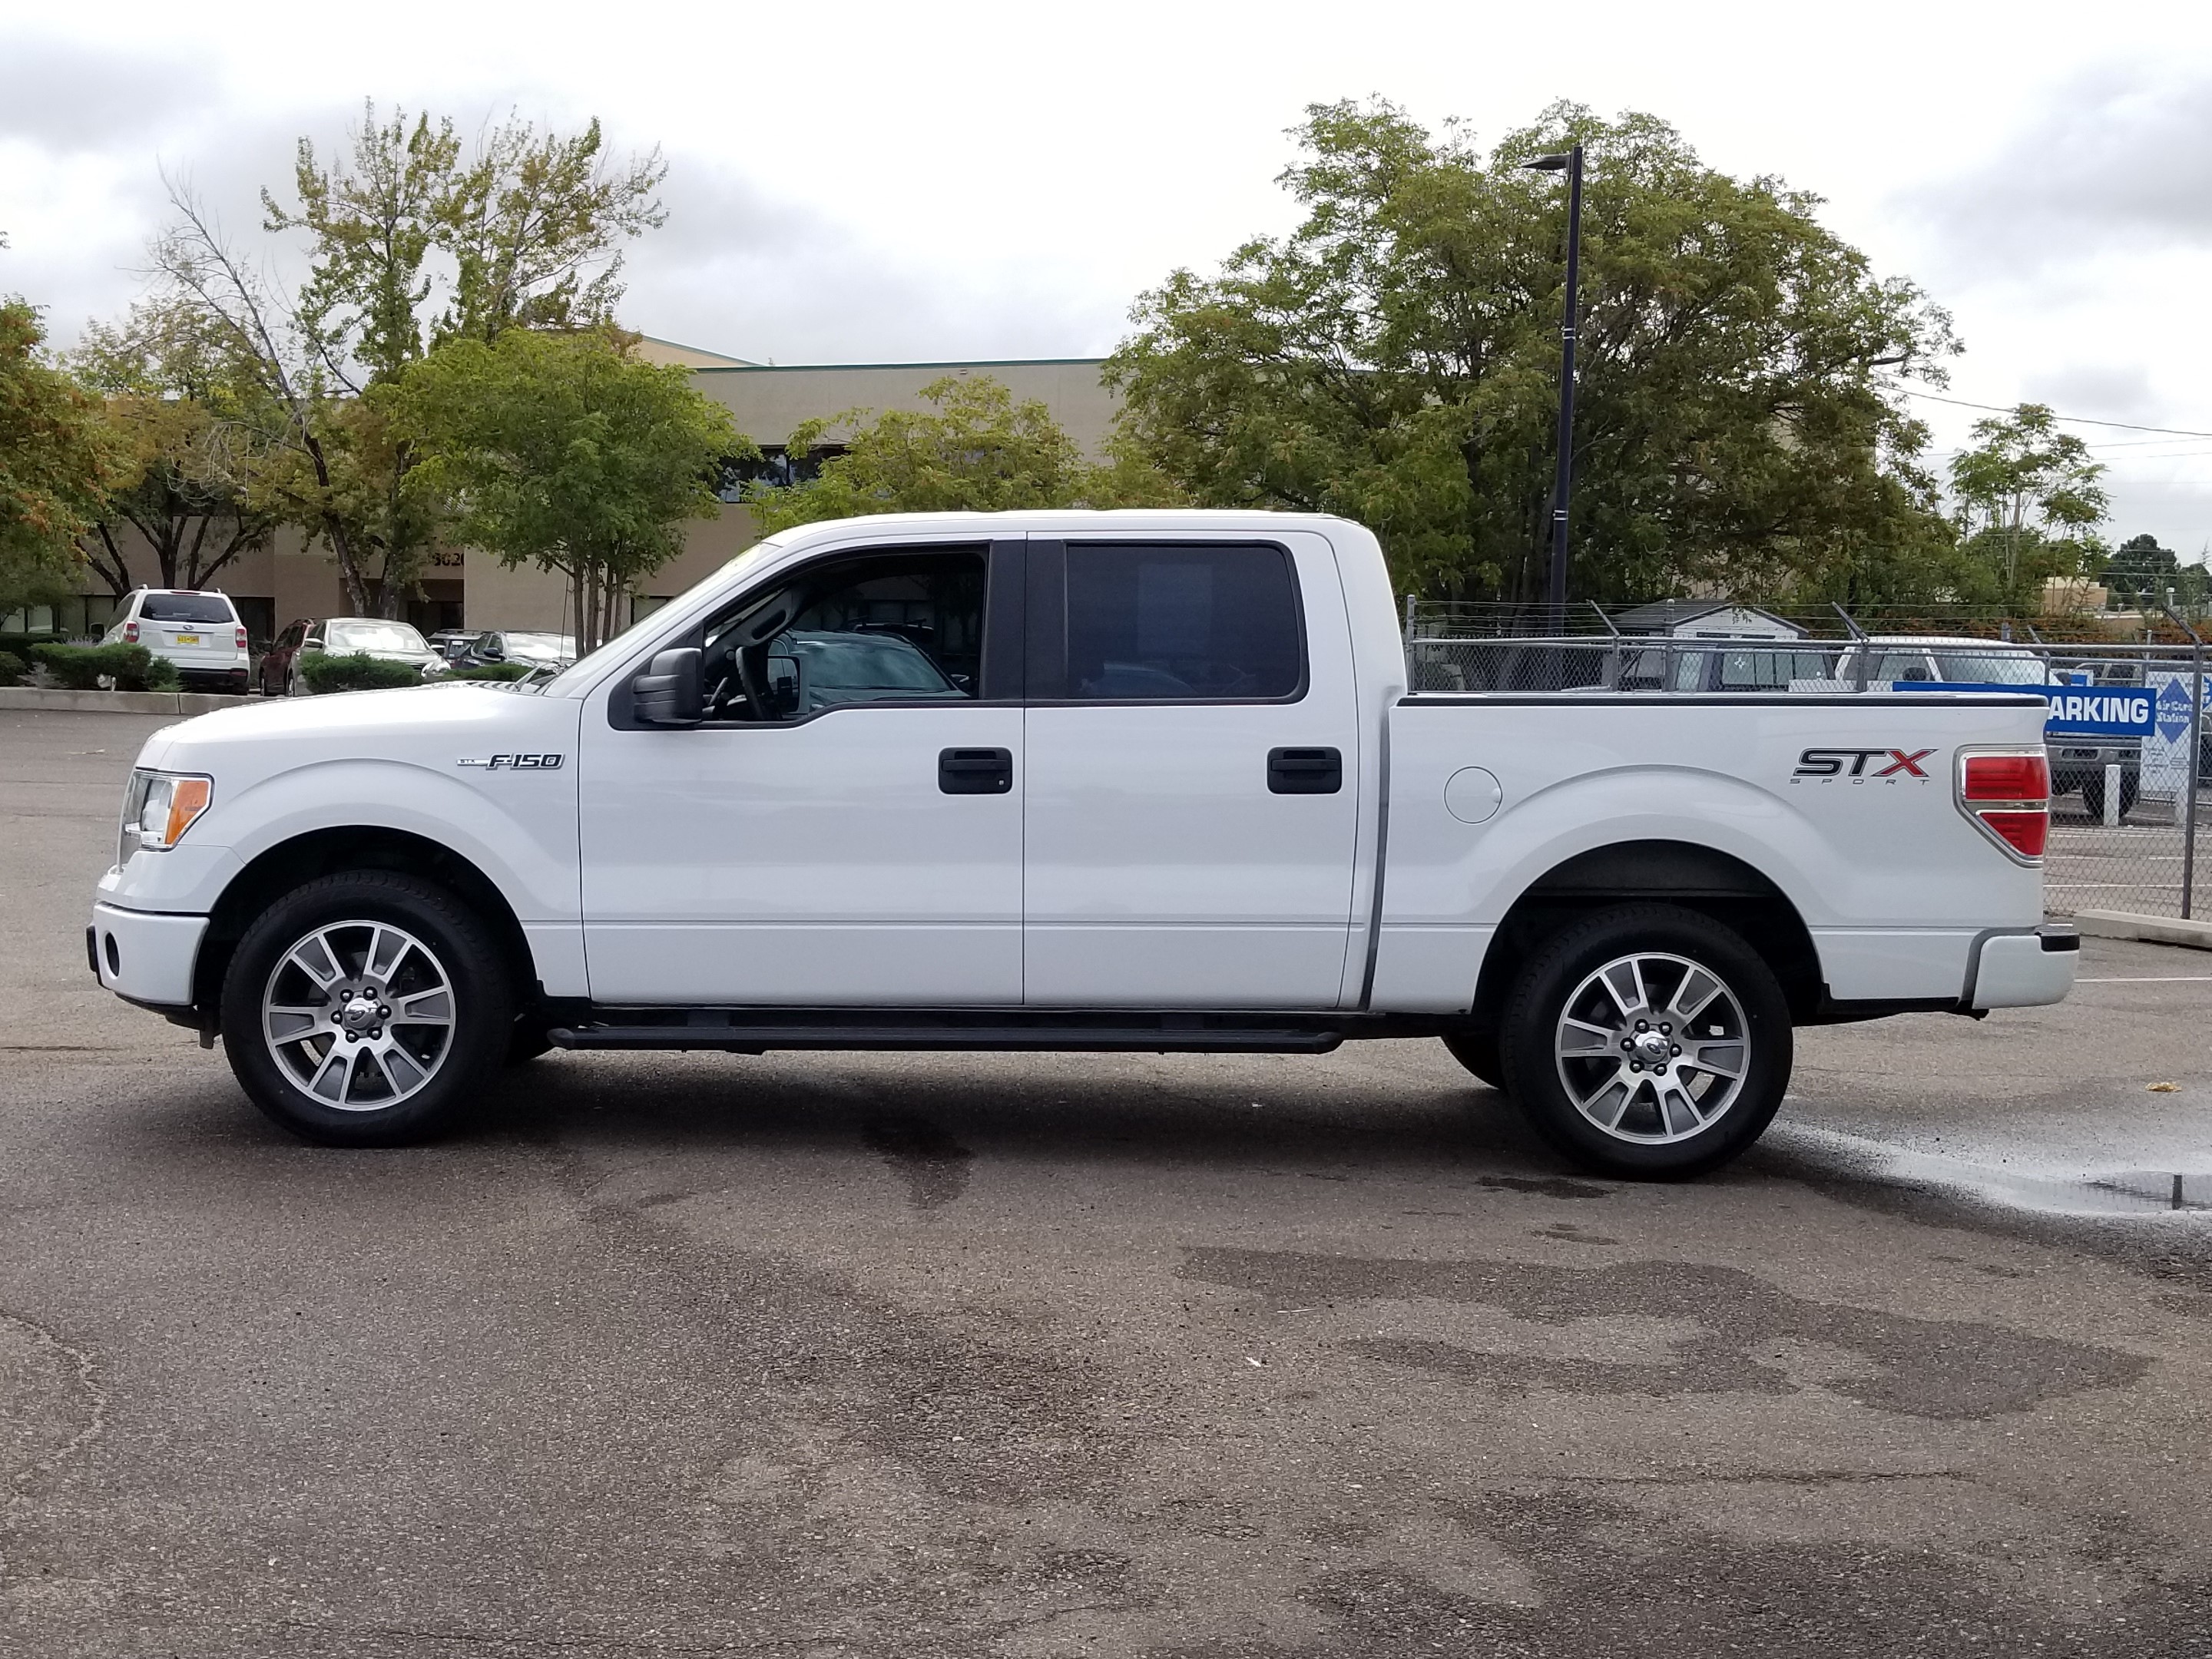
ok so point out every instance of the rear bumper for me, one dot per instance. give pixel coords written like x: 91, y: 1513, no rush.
x: 2024, y: 970
x: 145, y: 955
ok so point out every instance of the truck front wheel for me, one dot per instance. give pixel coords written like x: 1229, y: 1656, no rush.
x: 1647, y: 1041
x: 362, y: 1009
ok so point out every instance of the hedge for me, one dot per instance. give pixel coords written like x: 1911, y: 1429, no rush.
x: 356, y: 671
x: 130, y: 667
x: 11, y: 667
x: 492, y: 671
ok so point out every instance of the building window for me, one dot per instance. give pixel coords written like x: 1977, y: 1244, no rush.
x: 774, y: 468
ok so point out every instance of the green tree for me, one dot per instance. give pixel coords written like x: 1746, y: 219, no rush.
x: 2141, y: 573
x: 529, y: 225
x: 564, y: 451
x: 976, y: 449
x: 534, y: 223
x: 2029, y: 498
x: 57, y: 461
x: 188, y: 439
x: 1395, y: 358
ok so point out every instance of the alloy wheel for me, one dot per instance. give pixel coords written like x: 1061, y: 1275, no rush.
x: 1653, y: 1048
x: 359, y: 1015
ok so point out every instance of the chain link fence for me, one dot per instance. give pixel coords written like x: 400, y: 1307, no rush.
x: 2130, y: 743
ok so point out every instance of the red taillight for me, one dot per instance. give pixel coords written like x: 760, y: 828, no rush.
x: 2009, y: 794
x: 2006, y: 777
x: 240, y: 633
x: 2026, y: 833
x: 130, y: 633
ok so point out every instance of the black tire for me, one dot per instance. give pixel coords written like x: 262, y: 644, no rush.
x: 447, y: 944
x: 1655, y: 1137
x: 2093, y: 796
x: 1477, y: 1052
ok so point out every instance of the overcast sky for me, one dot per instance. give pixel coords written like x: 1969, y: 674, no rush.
x: 859, y: 182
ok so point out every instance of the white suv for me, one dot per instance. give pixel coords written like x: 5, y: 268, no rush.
x: 200, y: 633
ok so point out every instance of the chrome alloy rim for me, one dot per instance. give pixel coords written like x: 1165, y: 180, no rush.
x: 359, y: 1014
x: 1653, y: 1048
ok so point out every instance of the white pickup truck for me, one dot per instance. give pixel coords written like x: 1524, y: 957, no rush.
x: 1145, y: 781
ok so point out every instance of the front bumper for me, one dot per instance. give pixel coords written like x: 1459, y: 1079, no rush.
x: 2025, y: 970
x: 144, y: 956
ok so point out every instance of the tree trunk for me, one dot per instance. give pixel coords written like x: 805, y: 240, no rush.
x: 117, y: 575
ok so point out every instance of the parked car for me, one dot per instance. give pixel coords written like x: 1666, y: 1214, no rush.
x: 1159, y: 819
x: 197, y: 630
x: 2077, y: 763
x: 1761, y: 665
x: 813, y: 671
x: 526, y: 645
x: 375, y: 636
x: 452, y: 643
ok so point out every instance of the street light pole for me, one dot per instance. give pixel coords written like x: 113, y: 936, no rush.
x: 1571, y: 163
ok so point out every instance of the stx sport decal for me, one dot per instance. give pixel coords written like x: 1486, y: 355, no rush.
x: 1860, y: 764
x: 516, y: 764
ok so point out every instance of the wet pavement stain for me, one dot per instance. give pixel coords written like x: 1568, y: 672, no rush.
x: 1697, y: 1594
x: 934, y: 1165
x: 1939, y: 1369
x: 1541, y: 1186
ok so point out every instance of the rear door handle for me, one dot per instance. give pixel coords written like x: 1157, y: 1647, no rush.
x: 974, y: 771
x: 1304, y: 771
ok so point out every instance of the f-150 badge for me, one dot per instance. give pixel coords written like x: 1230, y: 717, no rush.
x: 516, y: 764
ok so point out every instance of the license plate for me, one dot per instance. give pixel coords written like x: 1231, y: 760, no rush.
x: 188, y: 639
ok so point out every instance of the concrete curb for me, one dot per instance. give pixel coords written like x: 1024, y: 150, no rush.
x: 2154, y: 930
x: 117, y: 703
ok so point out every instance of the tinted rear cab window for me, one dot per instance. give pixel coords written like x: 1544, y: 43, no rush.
x: 186, y: 608
x: 1149, y: 623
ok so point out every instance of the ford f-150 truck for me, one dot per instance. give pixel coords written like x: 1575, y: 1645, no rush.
x: 1145, y: 781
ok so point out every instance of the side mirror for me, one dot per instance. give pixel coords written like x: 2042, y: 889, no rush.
x: 492, y: 653
x: 671, y: 691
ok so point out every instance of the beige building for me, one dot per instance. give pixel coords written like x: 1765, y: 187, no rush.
x: 277, y: 585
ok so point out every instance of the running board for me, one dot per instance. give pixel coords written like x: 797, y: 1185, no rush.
x: 1203, y: 1034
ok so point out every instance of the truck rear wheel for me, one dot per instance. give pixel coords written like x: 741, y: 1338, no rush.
x: 1647, y: 1042
x: 362, y: 1009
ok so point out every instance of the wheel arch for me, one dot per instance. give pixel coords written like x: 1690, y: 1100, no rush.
x: 277, y: 869
x: 1698, y: 878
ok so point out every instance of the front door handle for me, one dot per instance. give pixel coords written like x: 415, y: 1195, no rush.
x: 1304, y: 771
x: 974, y: 771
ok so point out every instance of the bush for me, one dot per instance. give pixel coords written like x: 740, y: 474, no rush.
x: 357, y: 671
x: 11, y: 667
x: 492, y: 671
x: 130, y: 667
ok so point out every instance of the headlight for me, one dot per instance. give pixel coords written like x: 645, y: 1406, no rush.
x: 158, y: 808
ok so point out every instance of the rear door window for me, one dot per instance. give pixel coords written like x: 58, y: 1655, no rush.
x: 211, y: 607
x: 1155, y: 623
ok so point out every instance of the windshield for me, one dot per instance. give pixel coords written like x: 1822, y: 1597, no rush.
x: 357, y: 635
x: 186, y: 608
x: 863, y: 662
x: 1992, y: 668
x: 540, y: 647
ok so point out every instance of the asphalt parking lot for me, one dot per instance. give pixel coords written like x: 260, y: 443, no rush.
x: 839, y: 1355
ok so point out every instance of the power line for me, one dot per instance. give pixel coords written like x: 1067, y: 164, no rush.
x: 2071, y: 420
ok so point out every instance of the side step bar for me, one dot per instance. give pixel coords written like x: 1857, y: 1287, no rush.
x: 736, y: 1037
x: 1080, y: 1030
